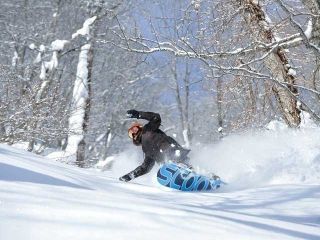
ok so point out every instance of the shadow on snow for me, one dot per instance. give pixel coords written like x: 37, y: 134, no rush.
x: 18, y: 174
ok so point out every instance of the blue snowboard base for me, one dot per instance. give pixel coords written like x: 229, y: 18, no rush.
x: 177, y: 177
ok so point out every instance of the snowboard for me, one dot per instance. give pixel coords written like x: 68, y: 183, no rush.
x: 179, y: 177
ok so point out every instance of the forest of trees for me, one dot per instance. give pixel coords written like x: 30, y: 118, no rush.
x: 69, y: 69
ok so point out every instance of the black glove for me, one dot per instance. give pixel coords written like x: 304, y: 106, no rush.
x: 133, y: 113
x: 125, y: 178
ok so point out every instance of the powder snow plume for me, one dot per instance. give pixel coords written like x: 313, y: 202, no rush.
x: 259, y: 158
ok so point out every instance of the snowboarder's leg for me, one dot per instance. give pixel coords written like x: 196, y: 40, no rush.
x: 185, y: 163
x: 213, y: 176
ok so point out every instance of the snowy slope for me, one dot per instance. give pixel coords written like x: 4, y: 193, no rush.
x: 44, y: 199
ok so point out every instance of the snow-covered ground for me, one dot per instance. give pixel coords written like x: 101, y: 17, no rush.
x: 273, y: 193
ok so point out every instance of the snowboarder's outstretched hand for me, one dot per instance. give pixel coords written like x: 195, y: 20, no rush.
x: 133, y: 113
x: 125, y: 178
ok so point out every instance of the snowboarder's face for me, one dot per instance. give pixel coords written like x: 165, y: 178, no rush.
x: 133, y: 132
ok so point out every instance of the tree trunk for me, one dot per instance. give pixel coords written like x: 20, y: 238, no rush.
x: 276, y: 62
x: 187, y: 97
x: 219, y: 106
x: 82, y: 146
x: 183, y: 110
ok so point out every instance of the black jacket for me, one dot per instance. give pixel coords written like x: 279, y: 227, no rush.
x: 156, y: 146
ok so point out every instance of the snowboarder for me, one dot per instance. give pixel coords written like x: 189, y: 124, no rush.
x: 156, y: 145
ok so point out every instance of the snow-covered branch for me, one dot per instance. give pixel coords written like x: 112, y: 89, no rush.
x: 147, y: 46
x: 306, y: 35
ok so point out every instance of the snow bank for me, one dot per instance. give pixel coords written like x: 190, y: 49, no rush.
x: 39, y: 196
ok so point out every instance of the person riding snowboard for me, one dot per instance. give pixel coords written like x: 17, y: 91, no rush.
x: 156, y: 145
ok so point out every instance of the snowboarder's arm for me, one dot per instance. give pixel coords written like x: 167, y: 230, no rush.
x: 153, y: 118
x: 144, y: 168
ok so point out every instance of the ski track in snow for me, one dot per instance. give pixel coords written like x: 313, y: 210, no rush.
x: 44, y: 199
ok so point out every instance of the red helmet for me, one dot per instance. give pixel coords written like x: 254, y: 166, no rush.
x: 134, y: 129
